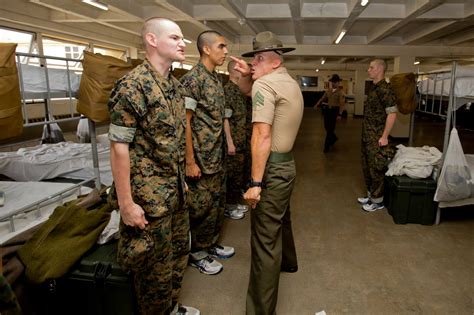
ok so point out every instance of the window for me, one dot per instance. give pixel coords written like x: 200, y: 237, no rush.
x: 120, y: 54
x: 72, y: 52
x: 64, y: 49
x: 23, y: 39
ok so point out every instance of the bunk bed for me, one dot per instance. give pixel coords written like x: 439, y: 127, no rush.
x: 28, y: 202
x: 442, y: 93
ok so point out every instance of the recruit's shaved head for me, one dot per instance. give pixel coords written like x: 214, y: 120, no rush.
x: 380, y: 62
x: 206, y: 38
x: 155, y: 25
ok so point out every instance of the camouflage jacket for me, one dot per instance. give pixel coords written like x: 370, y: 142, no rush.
x: 239, y: 113
x: 205, y: 96
x: 380, y: 102
x: 147, y: 112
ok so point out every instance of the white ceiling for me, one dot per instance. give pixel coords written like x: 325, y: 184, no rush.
x: 432, y: 31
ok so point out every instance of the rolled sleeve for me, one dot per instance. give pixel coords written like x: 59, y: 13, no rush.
x: 190, y: 103
x: 228, y: 113
x: 121, y: 134
x: 391, y: 109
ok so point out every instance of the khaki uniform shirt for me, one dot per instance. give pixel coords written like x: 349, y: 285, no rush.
x: 147, y: 112
x: 277, y: 100
x: 205, y: 96
x: 335, y: 97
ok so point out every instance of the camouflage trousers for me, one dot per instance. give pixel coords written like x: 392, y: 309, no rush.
x: 8, y: 301
x: 373, y: 175
x: 157, y: 257
x: 238, y: 176
x: 206, y: 201
x: 271, y: 240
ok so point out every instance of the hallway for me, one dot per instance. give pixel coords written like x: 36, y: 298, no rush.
x: 350, y: 261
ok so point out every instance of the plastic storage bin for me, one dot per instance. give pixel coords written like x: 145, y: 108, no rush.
x: 97, y: 285
x: 410, y: 200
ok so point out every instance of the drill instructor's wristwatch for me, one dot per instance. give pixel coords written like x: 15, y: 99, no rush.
x: 253, y: 183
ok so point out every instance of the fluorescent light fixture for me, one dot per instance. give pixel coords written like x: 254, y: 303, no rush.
x: 323, y: 61
x: 416, y: 62
x: 364, y: 2
x: 97, y: 4
x: 187, y: 41
x: 341, y: 35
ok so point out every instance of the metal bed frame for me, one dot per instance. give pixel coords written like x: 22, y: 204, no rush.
x: 47, y: 101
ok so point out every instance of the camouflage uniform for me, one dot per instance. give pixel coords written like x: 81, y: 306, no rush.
x: 380, y: 102
x: 206, y: 197
x: 147, y: 112
x: 239, y: 113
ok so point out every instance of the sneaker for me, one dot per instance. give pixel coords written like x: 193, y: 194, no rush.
x: 363, y: 200
x: 371, y: 207
x: 185, y: 310
x: 221, y: 252
x: 242, y: 208
x: 234, y: 214
x: 207, y: 265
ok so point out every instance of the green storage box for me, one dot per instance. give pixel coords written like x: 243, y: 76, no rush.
x: 410, y: 200
x: 97, y: 285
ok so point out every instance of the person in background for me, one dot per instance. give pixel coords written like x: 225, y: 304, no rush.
x: 236, y: 128
x: 147, y: 151
x: 205, y: 104
x: 332, y: 112
x: 380, y: 113
x: 277, y: 104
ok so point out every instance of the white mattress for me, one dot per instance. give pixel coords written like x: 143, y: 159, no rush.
x: 463, y: 202
x: 464, y: 87
x: 34, y: 82
x: 22, y: 194
x: 64, y: 159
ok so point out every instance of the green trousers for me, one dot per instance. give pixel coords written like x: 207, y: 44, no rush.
x: 271, y: 235
x: 206, y: 202
x: 157, y: 258
x: 373, y: 177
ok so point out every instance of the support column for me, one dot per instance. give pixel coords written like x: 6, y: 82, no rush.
x: 401, y: 128
x: 359, y: 91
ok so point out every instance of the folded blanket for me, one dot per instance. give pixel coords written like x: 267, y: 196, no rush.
x: 62, y: 240
x: 415, y: 162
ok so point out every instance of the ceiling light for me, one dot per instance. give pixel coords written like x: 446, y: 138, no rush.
x: 341, y: 35
x: 187, y: 41
x: 323, y: 61
x: 317, y: 70
x: 416, y: 62
x: 97, y: 4
x: 364, y: 2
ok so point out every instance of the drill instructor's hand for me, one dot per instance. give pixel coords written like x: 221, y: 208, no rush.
x: 252, y: 196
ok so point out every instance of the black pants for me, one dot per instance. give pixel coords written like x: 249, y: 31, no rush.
x: 330, y: 116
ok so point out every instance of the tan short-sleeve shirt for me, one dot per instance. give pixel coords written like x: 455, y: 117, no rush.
x: 277, y: 100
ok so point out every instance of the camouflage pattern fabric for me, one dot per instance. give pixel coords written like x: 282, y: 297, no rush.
x: 148, y: 113
x: 206, y: 201
x: 380, y: 101
x: 238, y: 165
x: 237, y: 178
x: 206, y: 89
x: 8, y: 301
x: 157, y: 257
